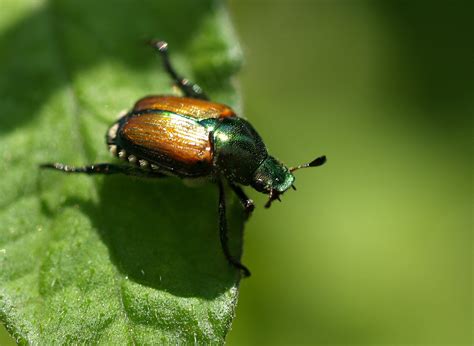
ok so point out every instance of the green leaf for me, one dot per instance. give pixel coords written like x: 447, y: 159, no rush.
x: 106, y: 259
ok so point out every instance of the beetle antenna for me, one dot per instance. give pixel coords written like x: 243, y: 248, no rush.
x: 315, y: 163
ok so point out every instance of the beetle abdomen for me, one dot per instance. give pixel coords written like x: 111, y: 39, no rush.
x: 173, y: 142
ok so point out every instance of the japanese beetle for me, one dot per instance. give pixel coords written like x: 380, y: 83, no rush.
x: 191, y: 137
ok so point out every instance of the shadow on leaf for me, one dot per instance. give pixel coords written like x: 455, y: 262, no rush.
x: 169, y: 245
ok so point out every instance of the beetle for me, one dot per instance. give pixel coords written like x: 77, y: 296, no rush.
x: 191, y: 137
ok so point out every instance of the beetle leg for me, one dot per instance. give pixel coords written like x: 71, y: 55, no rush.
x: 104, y: 168
x: 247, y: 203
x: 224, y: 233
x: 189, y: 88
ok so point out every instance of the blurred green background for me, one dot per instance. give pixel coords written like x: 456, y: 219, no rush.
x: 376, y: 246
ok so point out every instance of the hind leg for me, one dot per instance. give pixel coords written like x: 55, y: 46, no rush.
x: 187, y: 87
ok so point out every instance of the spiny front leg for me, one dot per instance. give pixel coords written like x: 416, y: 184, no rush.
x: 103, y: 168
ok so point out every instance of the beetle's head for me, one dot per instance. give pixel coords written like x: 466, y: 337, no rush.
x: 274, y: 178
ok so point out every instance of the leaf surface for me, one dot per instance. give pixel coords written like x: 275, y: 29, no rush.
x: 106, y: 259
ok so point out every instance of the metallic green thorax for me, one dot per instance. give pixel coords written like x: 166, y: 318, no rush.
x: 241, y: 156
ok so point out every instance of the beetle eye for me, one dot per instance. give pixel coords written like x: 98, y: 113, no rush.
x: 261, y: 185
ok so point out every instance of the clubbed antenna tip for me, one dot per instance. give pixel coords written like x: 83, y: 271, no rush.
x: 315, y: 163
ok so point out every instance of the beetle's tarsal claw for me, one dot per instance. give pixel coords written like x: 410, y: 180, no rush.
x: 162, y: 46
x: 293, y: 187
x: 46, y: 165
x: 269, y: 202
x: 245, y: 272
x: 273, y: 195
